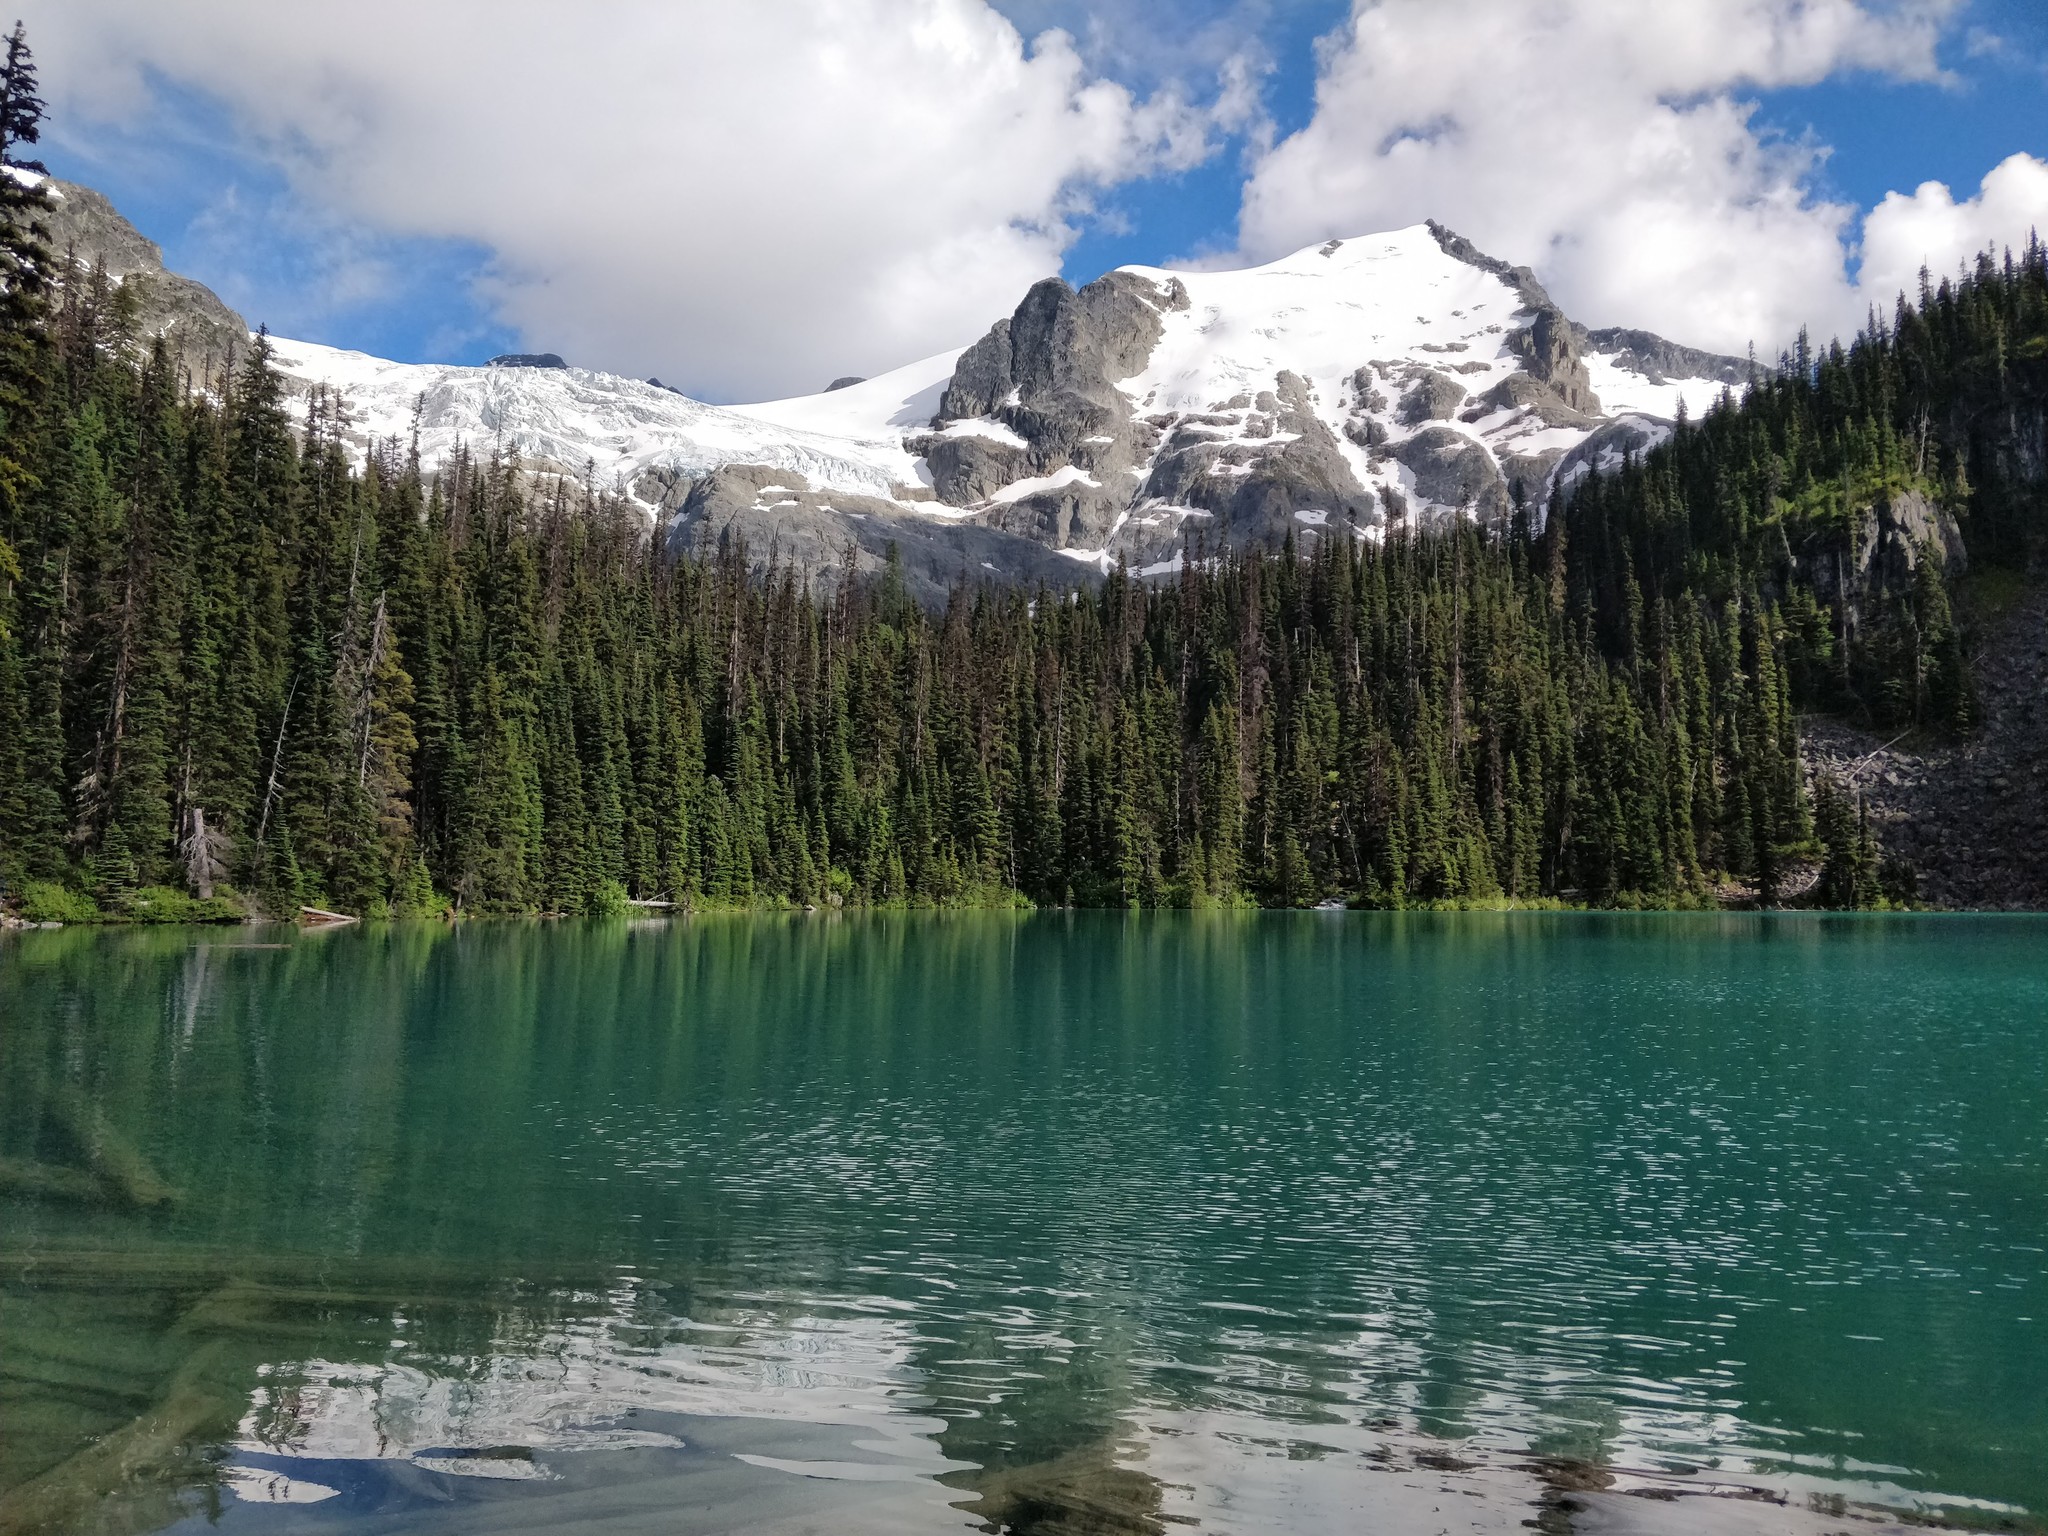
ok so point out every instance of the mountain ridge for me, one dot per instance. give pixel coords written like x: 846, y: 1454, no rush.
x: 1351, y: 387
x: 227, y: 657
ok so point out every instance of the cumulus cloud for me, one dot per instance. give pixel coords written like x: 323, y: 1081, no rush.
x: 746, y: 198
x: 752, y: 198
x: 1609, y: 144
x: 1930, y: 228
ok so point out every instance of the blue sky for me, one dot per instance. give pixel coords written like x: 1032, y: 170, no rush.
x: 1882, y: 135
x: 226, y: 215
x: 1886, y: 135
x: 191, y: 173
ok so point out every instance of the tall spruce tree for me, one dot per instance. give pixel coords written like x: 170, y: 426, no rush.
x: 232, y: 657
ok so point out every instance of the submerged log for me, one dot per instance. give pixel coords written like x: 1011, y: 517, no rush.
x: 131, y: 1479
x: 118, y: 1163
x: 45, y: 1181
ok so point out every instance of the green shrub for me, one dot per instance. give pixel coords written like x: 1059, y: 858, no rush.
x: 45, y: 901
x: 606, y: 899
x: 413, y: 893
x: 167, y: 904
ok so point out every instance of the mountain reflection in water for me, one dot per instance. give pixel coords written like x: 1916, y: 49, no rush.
x: 1051, y: 1223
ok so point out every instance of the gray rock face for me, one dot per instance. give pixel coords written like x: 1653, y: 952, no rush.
x: 1068, y: 517
x: 783, y: 524
x: 847, y: 382
x: 1549, y: 348
x: 1657, y: 359
x: 1432, y: 397
x: 1253, y: 489
x: 1365, y: 392
x: 527, y: 360
x: 662, y: 489
x: 1532, y: 472
x: 1453, y: 471
x: 87, y: 228
x: 966, y: 468
x: 1881, y: 550
x: 1908, y: 525
x: 1049, y: 373
x: 1522, y: 392
x: 981, y: 377
x: 203, y: 332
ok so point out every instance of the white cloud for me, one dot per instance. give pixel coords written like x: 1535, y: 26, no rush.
x: 1931, y: 228
x: 1983, y: 43
x: 748, y: 198
x: 1607, y: 144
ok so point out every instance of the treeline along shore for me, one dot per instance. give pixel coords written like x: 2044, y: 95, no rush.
x: 239, y: 672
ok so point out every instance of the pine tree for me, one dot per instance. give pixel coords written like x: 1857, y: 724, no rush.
x: 229, y: 656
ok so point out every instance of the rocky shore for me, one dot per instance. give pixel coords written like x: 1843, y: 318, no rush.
x: 1971, y: 817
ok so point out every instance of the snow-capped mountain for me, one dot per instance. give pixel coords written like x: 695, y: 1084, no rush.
x: 623, y: 430
x: 1352, y: 387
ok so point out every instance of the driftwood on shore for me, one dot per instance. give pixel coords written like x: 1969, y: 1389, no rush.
x: 321, y: 917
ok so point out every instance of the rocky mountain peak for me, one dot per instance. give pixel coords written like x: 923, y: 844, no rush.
x: 1355, y: 387
x: 1350, y: 386
x: 203, y: 332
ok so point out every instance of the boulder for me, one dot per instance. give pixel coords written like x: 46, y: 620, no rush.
x: 1432, y: 396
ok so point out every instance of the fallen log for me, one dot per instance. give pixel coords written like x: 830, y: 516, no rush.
x: 113, y: 1158
x: 322, y: 915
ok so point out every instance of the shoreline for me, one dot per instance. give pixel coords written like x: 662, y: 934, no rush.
x: 10, y: 924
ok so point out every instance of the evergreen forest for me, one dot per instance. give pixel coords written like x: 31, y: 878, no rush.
x: 239, y: 671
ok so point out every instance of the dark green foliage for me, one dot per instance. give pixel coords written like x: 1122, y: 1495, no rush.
x: 1849, y: 876
x: 1778, y: 498
x: 374, y: 689
x: 228, y: 655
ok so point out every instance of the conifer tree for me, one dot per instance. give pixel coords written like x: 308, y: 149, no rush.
x: 233, y: 657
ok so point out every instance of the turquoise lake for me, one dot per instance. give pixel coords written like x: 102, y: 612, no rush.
x: 1034, y: 1222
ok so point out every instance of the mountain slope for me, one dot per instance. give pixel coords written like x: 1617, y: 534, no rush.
x: 203, y: 331
x: 1351, y: 386
x: 1359, y: 383
x: 566, y: 420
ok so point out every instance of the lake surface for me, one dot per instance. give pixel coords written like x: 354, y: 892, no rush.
x: 1049, y: 1222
